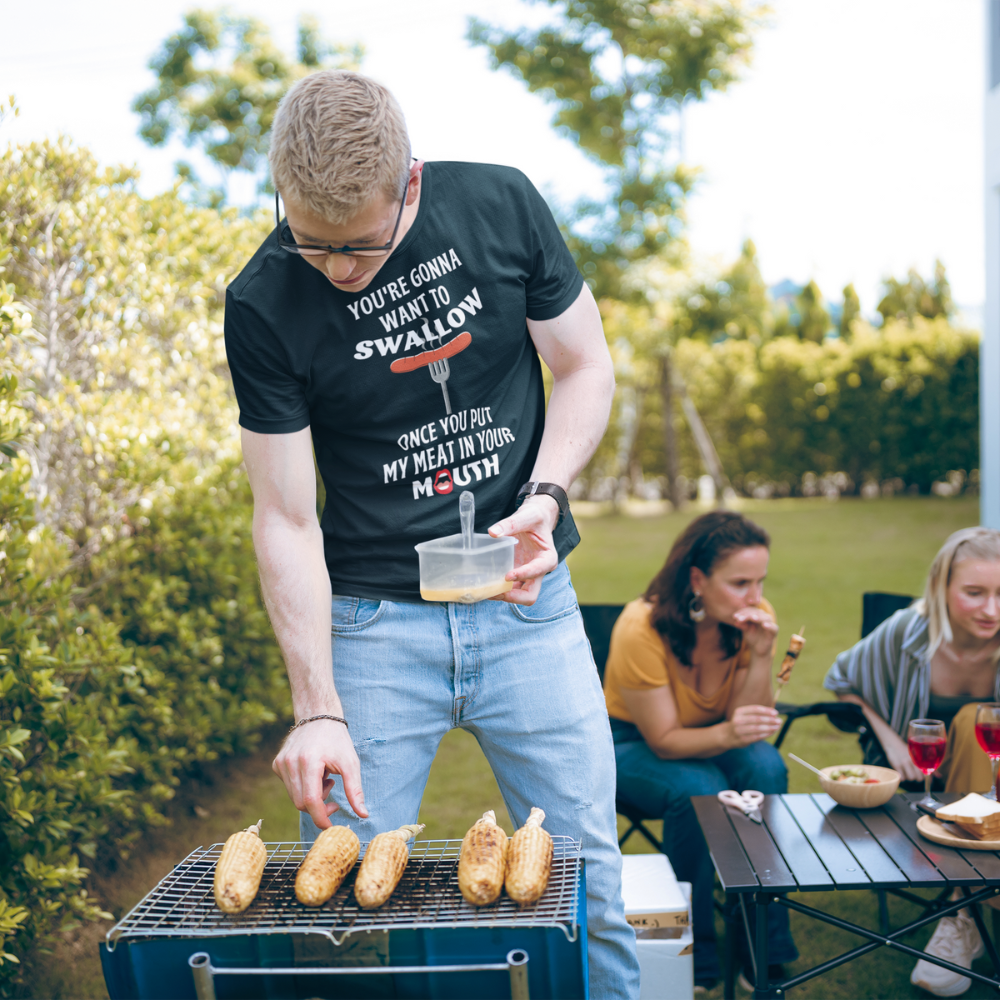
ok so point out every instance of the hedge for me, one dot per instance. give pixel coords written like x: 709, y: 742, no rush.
x: 896, y: 403
x: 164, y: 658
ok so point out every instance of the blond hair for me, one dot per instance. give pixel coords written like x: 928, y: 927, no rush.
x: 969, y: 543
x: 338, y: 140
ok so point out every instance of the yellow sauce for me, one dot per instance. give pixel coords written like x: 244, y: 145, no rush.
x: 467, y: 595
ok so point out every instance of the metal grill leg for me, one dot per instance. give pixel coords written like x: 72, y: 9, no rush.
x: 201, y: 970
x: 517, y: 960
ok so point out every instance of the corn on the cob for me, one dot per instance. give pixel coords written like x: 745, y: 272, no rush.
x: 529, y: 860
x: 238, y: 870
x: 330, y: 858
x: 382, y: 866
x: 483, y: 861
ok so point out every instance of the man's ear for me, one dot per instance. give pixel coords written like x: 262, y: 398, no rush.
x: 413, y: 185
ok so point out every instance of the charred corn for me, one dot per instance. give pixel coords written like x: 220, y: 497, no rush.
x: 483, y: 861
x: 529, y: 860
x: 238, y: 870
x: 330, y: 858
x: 383, y: 865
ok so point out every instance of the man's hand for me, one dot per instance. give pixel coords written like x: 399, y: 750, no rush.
x: 534, y: 555
x: 306, y: 763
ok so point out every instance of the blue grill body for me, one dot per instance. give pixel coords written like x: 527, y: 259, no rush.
x: 426, y: 923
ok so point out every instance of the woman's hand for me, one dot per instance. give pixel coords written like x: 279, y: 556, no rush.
x: 759, y: 630
x: 752, y: 723
x: 899, y: 758
x: 895, y: 748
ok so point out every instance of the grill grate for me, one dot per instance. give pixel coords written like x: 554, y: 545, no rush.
x: 183, y: 904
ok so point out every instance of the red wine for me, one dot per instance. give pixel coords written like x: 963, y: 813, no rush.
x: 927, y: 754
x: 988, y: 735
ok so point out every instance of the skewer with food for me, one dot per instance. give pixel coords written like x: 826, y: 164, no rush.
x: 795, y: 645
x: 239, y: 869
x: 383, y: 866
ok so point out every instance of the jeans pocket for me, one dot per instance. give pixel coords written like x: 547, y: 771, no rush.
x: 352, y: 614
x: 557, y: 599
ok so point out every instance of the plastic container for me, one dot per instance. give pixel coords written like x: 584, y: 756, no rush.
x: 449, y: 572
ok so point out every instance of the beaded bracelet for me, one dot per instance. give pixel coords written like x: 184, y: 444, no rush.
x: 313, y: 718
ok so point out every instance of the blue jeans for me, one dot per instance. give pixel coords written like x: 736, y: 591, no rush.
x: 664, y: 788
x: 523, y: 682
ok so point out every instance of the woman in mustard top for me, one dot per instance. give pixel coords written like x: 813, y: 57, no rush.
x: 688, y: 690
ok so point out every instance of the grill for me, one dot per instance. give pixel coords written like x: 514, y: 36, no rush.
x: 176, y: 937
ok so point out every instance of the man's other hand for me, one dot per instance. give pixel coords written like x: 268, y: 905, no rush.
x: 531, y: 525
x: 307, y: 762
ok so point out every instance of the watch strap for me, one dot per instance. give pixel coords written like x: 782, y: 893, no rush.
x: 553, y: 490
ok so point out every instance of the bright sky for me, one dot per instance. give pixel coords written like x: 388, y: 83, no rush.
x: 851, y: 150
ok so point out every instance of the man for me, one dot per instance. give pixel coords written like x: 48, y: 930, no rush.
x: 393, y: 323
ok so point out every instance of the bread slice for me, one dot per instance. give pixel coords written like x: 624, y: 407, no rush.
x: 974, y: 813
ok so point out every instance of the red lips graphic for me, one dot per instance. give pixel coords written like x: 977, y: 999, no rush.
x: 443, y: 482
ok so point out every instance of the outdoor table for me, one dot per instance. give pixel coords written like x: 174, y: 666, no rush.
x: 807, y: 843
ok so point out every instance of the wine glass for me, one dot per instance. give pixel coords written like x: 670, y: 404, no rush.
x: 926, y: 739
x: 988, y: 735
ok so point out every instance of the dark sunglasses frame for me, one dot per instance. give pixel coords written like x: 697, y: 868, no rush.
x: 314, y: 251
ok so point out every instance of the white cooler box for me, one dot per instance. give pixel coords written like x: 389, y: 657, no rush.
x: 658, y: 907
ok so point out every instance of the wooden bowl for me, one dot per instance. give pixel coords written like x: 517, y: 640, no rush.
x: 861, y: 796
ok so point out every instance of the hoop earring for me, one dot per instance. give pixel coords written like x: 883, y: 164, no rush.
x: 695, y: 610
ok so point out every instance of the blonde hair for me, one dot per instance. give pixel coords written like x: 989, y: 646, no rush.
x: 338, y: 140
x: 969, y: 543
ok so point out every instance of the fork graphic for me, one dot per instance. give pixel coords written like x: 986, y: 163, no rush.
x: 440, y: 371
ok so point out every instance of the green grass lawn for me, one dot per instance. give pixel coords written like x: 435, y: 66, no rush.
x: 824, y: 555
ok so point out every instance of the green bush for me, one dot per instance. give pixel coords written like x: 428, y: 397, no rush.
x: 111, y: 691
x: 115, y: 677
x: 183, y: 593
x: 897, y: 402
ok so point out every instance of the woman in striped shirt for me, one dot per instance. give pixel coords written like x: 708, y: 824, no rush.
x: 936, y: 659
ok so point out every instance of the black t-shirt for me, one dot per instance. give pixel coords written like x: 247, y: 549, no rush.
x: 396, y: 442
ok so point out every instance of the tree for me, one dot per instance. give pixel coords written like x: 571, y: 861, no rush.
x: 122, y: 362
x: 914, y: 297
x: 734, y: 305
x: 619, y: 72
x: 814, y: 320
x: 219, y: 81
x: 850, y: 311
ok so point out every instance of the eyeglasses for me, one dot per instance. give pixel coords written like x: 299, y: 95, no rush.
x: 308, y: 250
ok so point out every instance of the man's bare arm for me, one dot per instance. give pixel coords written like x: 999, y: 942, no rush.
x: 573, y: 347
x: 289, y: 546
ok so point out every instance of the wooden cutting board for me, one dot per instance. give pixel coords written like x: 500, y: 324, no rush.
x: 934, y: 830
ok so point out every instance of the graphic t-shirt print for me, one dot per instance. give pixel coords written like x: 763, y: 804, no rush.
x: 458, y: 448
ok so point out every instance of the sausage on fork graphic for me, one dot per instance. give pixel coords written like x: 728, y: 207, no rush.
x: 436, y: 362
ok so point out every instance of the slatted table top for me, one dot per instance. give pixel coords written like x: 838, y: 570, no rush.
x: 808, y: 843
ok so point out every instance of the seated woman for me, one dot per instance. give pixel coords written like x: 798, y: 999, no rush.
x: 688, y: 689
x: 936, y: 659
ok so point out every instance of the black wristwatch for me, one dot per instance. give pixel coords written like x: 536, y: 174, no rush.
x: 549, y: 489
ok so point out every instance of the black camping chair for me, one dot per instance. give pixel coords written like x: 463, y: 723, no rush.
x: 599, y: 620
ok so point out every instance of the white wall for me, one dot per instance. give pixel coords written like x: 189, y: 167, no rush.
x: 989, y: 378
